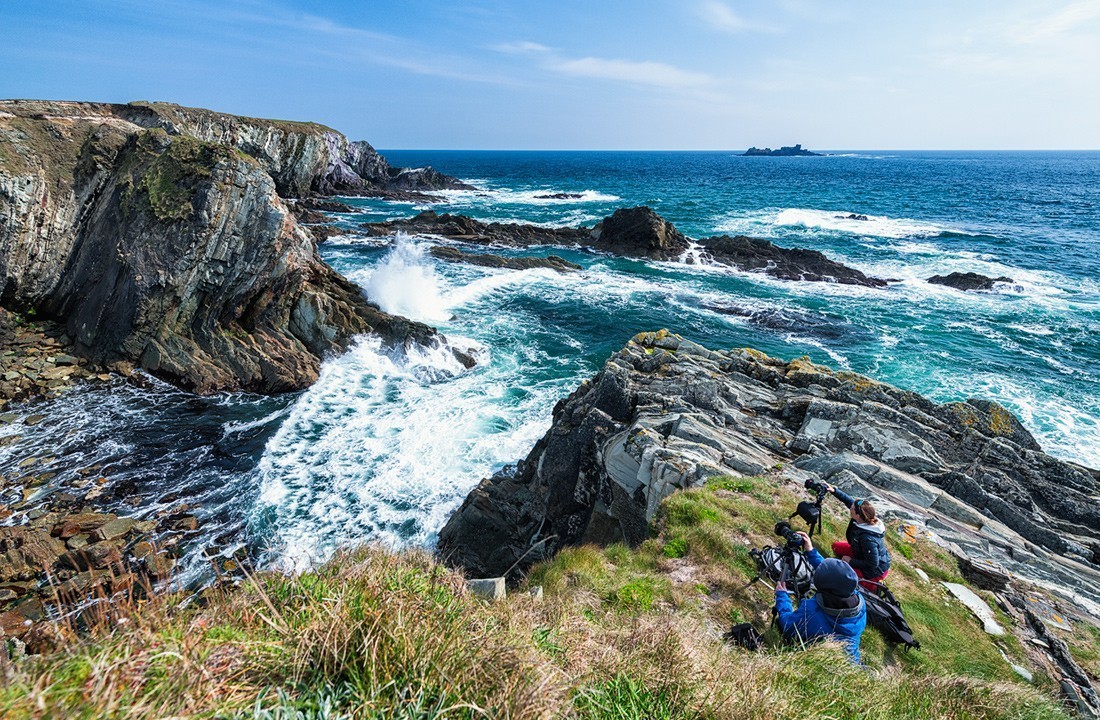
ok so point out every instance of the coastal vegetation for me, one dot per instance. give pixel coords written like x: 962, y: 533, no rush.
x: 616, y: 632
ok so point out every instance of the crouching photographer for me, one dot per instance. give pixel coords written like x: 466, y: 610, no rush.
x: 836, y: 611
x: 864, y: 547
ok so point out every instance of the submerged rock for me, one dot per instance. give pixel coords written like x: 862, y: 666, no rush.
x: 665, y: 413
x: 968, y: 281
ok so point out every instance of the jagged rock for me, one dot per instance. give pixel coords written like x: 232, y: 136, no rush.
x: 551, y: 262
x: 638, y: 232
x: 968, y: 281
x: 754, y: 254
x: 158, y: 237
x: 460, y: 227
x: 665, y: 413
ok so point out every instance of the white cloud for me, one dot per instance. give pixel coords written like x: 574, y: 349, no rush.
x: 638, y: 73
x: 635, y: 72
x: 521, y: 47
x: 1065, y: 20
x: 721, y: 16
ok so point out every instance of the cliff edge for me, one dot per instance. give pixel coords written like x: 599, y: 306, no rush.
x: 157, y: 235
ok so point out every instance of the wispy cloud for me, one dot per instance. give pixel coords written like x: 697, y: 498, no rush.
x: 721, y: 16
x: 1063, y: 21
x: 634, y: 72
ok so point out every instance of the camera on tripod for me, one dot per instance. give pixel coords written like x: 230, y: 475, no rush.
x: 784, y: 530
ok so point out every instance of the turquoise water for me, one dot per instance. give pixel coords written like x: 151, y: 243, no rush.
x: 384, y: 447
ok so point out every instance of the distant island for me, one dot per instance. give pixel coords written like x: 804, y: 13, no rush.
x: 785, y: 151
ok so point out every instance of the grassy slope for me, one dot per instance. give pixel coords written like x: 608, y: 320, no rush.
x: 620, y: 633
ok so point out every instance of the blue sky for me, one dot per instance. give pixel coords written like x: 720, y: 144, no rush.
x: 587, y: 74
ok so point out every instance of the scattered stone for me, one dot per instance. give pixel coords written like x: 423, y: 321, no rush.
x: 922, y: 574
x: 977, y: 606
x: 113, y: 529
x: 186, y: 523
x: 536, y: 592
x: 160, y: 566
x: 490, y: 588
x: 142, y: 550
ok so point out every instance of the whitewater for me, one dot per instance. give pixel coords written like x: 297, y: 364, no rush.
x: 385, y: 445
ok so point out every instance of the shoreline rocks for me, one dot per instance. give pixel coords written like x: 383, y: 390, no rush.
x: 639, y: 232
x: 665, y: 414
x: 176, y: 252
x: 550, y: 262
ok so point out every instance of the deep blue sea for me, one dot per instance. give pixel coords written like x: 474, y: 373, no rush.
x: 384, y: 447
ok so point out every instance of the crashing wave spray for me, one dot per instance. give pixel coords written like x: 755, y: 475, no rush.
x: 405, y: 283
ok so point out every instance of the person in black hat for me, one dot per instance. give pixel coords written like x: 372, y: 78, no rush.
x: 836, y: 611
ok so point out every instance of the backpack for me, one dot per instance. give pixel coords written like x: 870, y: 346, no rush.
x: 770, y: 561
x: 745, y: 635
x: 885, y: 615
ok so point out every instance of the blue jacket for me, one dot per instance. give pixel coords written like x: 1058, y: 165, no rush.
x: 812, y: 621
x: 869, y: 553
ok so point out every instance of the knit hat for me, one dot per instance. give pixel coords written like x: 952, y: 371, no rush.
x: 836, y: 578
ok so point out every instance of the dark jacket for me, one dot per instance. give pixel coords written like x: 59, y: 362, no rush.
x: 869, y: 553
x: 824, y: 615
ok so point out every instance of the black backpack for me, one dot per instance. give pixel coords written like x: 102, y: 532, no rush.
x: 885, y: 615
x: 745, y: 635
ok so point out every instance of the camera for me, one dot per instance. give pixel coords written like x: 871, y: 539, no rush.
x: 784, y: 530
x: 815, y: 486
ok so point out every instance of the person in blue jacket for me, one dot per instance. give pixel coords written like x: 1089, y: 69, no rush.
x: 837, y: 610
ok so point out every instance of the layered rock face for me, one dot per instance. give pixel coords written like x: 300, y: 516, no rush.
x: 302, y: 158
x: 639, y: 232
x: 666, y: 414
x: 170, y: 251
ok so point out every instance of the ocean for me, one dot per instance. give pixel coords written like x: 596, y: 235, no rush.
x: 383, y: 448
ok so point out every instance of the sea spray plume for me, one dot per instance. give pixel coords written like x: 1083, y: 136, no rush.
x: 405, y: 283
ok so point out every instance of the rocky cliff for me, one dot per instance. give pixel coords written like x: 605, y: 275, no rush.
x: 156, y: 236
x: 665, y: 414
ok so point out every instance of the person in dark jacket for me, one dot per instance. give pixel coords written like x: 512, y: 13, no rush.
x: 837, y: 610
x: 865, y: 545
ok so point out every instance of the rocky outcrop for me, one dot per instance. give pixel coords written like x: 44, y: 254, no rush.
x: 460, y: 227
x: 756, y: 255
x: 550, y: 262
x: 785, y: 151
x: 666, y: 414
x: 639, y: 232
x: 968, y: 281
x: 172, y: 252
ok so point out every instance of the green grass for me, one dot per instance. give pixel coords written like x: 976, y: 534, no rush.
x: 621, y: 633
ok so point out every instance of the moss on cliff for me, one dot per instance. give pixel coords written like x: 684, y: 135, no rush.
x: 169, y: 172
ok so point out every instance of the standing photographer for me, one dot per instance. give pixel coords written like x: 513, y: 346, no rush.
x: 865, y: 549
x: 837, y: 611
